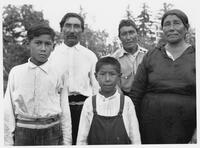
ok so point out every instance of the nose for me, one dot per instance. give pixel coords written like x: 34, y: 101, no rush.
x: 171, y: 27
x: 43, y: 47
x: 128, y: 36
x: 72, y: 29
x: 107, y: 77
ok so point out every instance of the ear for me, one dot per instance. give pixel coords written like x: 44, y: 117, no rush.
x: 95, y: 74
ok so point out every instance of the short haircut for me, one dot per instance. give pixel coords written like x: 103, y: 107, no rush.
x: 40, y: 29
x: 68, y: 15
x: 108, y: 61
x: 126, y: 22
x: 180, y: 14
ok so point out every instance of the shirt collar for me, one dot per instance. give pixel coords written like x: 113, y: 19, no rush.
x: 44, y: 67
x: 109, y: 98
x: 73, y: 47
x: 122, y: 51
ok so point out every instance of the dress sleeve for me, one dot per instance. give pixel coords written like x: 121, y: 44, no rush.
x: 139, y: 85
x: 9, y: 115
x: 85, y: 122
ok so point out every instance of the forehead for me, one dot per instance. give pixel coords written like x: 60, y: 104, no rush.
x: 172, y: 18
x: 108, y: 68
x: 72, y: 20
x: 127, y: 28
x: 43, y: 37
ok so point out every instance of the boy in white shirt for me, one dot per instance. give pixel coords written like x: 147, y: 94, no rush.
x: 108, y: 117
x: 36, y: 110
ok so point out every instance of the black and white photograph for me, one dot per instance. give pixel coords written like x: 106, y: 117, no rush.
x: 99, y: 72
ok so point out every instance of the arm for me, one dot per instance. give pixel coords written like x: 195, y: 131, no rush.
x: 140, y: 83
x: 66, y: 115
x: 9, y: 116
x: 84, y: 124
x: 133, y: 124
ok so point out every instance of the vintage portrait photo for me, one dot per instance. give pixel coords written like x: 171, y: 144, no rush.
x: 99, y: 72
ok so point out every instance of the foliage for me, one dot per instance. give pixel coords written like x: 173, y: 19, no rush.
x: 145, y: 22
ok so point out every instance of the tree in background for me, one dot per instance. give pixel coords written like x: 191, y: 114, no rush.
x: 162, y: 11
x: 129, y: 13
x: 144, y: 22
x: 96, y: 41
x: 16, y: 21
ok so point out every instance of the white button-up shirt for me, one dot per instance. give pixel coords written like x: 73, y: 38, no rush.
x: 129, y: 64
x: 109, y: 107
x: 79, y: 63
x: 35, y: 92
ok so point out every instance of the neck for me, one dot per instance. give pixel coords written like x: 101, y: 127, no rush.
x: 70, y: 44
x: 132, y: 50
x: 107, y: 94
x: 37, y: 62
x: 177, y: 47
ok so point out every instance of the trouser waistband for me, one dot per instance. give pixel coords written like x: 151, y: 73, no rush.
x: 77, y: 98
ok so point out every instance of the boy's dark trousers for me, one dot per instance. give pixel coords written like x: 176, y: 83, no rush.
x: 76, y: 105
x: 47, y: 136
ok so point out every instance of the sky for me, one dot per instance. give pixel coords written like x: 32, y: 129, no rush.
x: 103, y: 14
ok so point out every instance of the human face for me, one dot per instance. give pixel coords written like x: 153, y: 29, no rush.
x: 40, y: 48
x: 174, y: 29
x: 108, y: 77
x: 129, y: 37
x: 72, y: 31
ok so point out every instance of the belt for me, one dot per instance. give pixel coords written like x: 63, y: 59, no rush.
x: 77, y: 99
x: 39, y: 123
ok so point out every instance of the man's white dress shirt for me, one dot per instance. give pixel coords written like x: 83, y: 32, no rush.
x: 35, y: 92
x: 79, y: 63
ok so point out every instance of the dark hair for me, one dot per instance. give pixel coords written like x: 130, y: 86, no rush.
x: 40, y: 29
x: 68, y: 15
x: 126, y: 22
x: 108, y: 61
x: 180, y: 14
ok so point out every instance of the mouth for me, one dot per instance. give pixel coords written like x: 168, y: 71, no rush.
x: 43, y: 55
x: 172, y: 35
x: 72, y: 37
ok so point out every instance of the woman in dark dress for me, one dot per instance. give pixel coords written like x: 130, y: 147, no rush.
x: 164, y: 88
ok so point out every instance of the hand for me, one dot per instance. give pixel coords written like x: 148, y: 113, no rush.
x: 194, y: 138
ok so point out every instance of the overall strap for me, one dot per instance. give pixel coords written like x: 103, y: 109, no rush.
x: 94, y: 104
x: 121, y: 104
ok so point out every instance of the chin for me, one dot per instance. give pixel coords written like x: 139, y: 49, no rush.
x: 71, y: 43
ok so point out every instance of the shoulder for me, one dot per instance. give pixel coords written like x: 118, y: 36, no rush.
x: 19, y: 68
x: 118, y: 53
x: 142, y: 50
x: 153, y: 52
x: 128, y: 104
x: 87, y: 52
x: 127, y: 100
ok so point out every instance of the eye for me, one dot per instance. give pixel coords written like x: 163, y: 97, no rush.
x: 166, y: 24
x: 132, y: 32
x: 68, y: 25
x: 123, y: 33
x: 77, y: 26
x: 38, y: 42
x: 177, y: 22
x: 48, y: 43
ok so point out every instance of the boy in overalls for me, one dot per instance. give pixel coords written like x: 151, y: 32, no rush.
x: 36, y: 108
x: 108, y: 117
